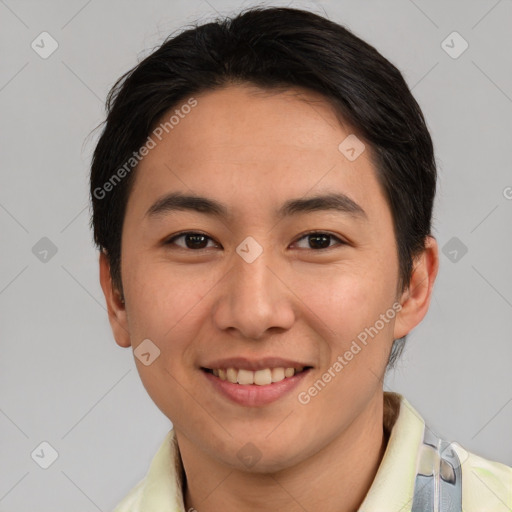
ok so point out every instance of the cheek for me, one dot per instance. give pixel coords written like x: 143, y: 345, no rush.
x: 165, y: 308
x: 346, y: 298
x: 163, y: 298
x: 345, y: 306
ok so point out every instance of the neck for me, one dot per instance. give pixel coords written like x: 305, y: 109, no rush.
x: 338, y: 476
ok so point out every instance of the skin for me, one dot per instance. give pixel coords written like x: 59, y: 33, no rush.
x: 252, y: 150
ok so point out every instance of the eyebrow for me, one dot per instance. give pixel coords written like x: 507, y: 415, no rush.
x: 179, y: 201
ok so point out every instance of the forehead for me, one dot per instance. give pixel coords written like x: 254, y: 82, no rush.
x: 247, y: 119
x: 246, y: 145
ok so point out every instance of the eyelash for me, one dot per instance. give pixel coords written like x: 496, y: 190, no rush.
x: 171, y: 240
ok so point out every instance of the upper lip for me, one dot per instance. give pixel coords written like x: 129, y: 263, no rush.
x: 242, y: 363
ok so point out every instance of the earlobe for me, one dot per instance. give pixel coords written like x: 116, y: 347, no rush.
x: 115, y: 304
x: 415, y: 300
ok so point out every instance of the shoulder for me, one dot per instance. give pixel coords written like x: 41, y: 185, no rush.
x: 486, y: 484
x: 130, y: 503
x: 161, y: 488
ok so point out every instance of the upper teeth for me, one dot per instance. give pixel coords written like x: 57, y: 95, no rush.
x: 259, y: 377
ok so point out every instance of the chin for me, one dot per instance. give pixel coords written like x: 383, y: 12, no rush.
x: 263, y: 457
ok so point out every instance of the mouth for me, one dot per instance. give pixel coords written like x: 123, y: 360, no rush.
x: 263, y: 377
x: 253, y: 388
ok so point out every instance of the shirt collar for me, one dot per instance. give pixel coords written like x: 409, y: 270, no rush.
x: 393, y: 484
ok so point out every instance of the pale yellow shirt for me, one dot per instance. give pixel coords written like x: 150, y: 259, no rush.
x: 486, y: 484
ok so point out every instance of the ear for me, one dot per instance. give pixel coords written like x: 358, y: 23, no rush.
x: 415, y: 300
x: 115, y: 306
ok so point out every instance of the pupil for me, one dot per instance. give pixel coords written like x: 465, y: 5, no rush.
x: 196, y: 241
x: 316, y: 241
x: 321, y: 245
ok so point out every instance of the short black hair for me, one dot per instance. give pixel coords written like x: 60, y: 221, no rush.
x: 274, y: 48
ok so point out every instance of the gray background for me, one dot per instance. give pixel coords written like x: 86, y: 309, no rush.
x: 63, y: 379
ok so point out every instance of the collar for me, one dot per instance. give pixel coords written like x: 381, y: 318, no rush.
x: 393, y: 484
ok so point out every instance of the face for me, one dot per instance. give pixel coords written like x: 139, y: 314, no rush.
x: 262, y: 278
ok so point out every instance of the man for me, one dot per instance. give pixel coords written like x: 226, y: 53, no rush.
x: 262, y: 198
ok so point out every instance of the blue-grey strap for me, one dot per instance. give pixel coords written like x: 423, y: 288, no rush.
x: 438, y: 485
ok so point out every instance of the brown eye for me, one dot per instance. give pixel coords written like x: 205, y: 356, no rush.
x: 317, y: 240
x: 320, y: 240
x: 192, y: 240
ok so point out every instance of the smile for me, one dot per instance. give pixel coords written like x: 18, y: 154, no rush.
x: 255, y: 388
x: 262, y: 377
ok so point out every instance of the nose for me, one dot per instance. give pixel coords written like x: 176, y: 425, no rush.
x: 255, y: 298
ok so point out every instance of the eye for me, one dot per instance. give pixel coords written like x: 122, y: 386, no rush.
x: 320, y: 240
x: 192, y: 240
x: 197, y: 241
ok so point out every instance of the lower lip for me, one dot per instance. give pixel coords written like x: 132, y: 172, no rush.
x: 253, y: 395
